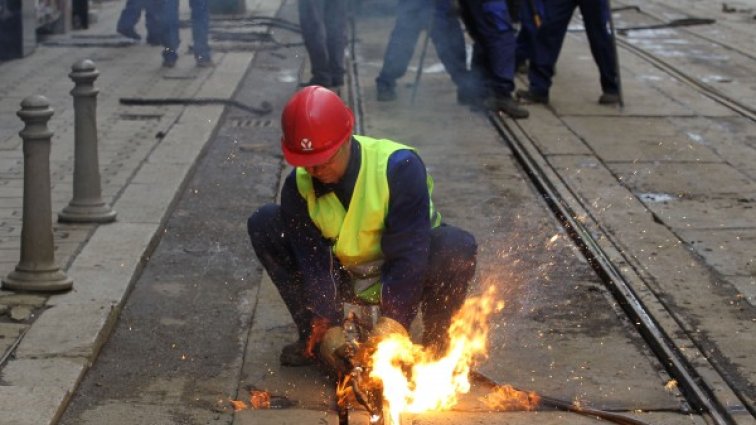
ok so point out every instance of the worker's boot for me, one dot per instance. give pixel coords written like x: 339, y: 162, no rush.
x: 507, y: 105
x: 609, y: 99
x: 295, y: 354
x: 529, y: 96
x: 385, y: 92
x: 169, y: 58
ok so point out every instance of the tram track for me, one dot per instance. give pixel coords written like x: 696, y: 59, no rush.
x: 644, y: 10
x: 705, y: 89
x: 701, y: 396
x: 705, y: 385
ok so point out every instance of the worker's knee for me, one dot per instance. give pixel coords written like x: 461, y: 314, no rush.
x: 452, y: 242
x: 453, y: 250
x: 262, y: 221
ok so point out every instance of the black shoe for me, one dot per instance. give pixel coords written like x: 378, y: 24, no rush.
x: 530, y: 97
x: 609, y: 99
x: 169, y: 58
x: 507, y: 105
x: 294, y: 355
x: 385, y: 93
x: 204, y: 62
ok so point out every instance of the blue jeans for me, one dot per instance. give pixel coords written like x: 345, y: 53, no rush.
x: 200, y: 29
x: 412, y: 16
x: 132, y: 11
x: 549, y: 39
x: 490, y: 26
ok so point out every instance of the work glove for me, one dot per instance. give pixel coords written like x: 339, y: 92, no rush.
x: 334, y: 349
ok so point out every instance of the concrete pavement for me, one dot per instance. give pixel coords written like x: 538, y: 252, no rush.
x: 145, y: 154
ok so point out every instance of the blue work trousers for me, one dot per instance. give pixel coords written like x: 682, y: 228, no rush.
x: 132, y: 11
x: 531, y: 17
x: 549, y: 39
x: 200, y: 28
x: 412, y: 16
x: 324, y: 25
x: 451, y: 266
x: 490, y: 26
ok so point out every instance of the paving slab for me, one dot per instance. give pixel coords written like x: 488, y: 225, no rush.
x: 683, y: 179
x: 639, y: 139
x: 549, y: 133
x: 39, y: 405
x: 9, y: 333
x: 719, y: 248
x: 57, y: 372
x: 71, y: 330
x: 711, y: 211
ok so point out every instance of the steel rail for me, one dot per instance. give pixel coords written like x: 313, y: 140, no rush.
x: 703, y: 88
x: 699, y: 395
x: 684, y: 29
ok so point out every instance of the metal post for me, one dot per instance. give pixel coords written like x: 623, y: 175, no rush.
x: 87, y: 205
x: 37, y: 270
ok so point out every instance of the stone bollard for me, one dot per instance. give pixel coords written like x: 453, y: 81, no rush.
x: 87, y: 205
x: 37, y: 270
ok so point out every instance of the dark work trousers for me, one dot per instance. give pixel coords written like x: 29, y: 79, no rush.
x: 451, y: 267
x: 324, y: 31
x: 132, y: 11
x: 412, y: 16
x: 490, y: 26
x: 529, y: 9
x: 549, y: 39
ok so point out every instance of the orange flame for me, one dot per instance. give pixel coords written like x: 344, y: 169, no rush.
x: 415, y: 380
x: 319, y: 328
x: 257, y: 400
x: 506, y: 397
x: 238, y: 405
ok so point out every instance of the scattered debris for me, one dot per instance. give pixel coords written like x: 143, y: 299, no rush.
x: 20, y: 313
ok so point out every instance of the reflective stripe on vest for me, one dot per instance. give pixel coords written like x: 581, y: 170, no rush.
x: 357, y: 231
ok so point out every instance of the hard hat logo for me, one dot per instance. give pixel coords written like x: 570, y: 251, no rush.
x: 306, y: 145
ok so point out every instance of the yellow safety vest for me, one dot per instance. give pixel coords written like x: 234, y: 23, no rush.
x: 356, y: 231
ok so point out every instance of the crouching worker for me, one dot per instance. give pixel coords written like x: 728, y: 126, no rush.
x: 357, y: 223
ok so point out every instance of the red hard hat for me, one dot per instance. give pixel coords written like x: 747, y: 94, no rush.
x: 315, y: 123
